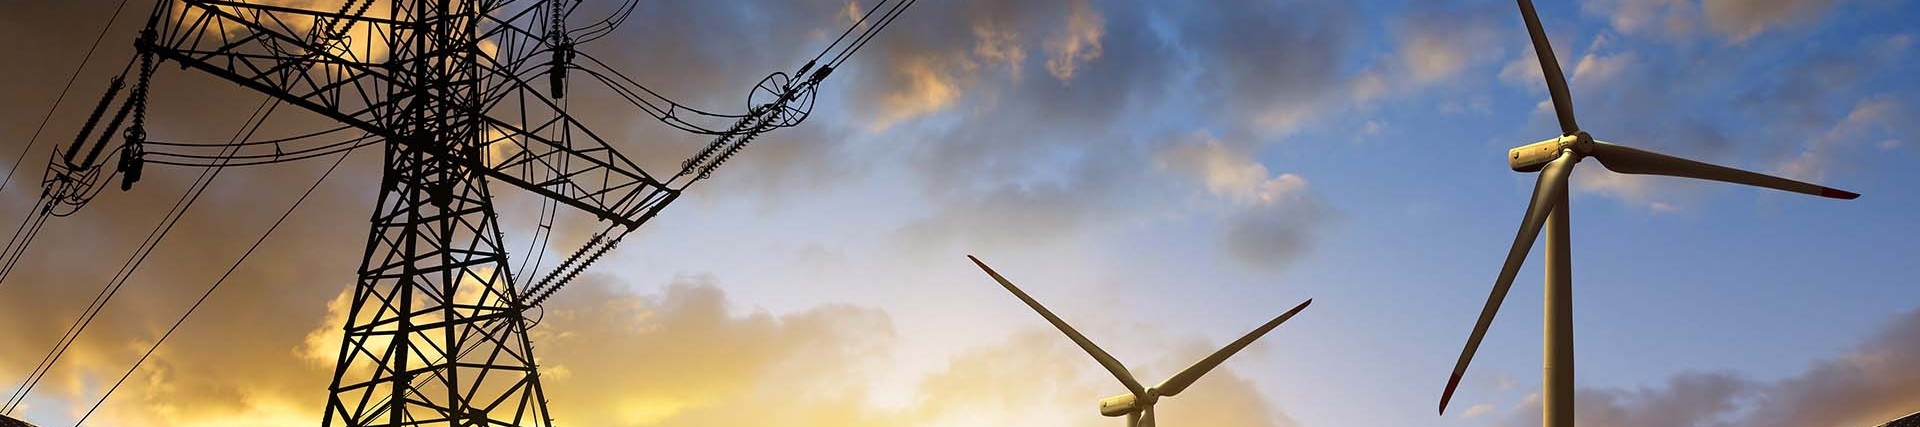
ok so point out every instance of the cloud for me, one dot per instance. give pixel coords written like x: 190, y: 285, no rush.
x: 1273, y: 219
x: 1872, y: 383
x: 1021, y: 157
x: 1273, y: 237
x: 1524, y: 71
x: 1079, y: 43
x: 688, y: 356
x: 194, y: 380
x: 1436, y: 42
x: 1477, y: 410
x: 1231, y: 175
x: 1596, y: 70
x: 1877, y: 380
x: 1868, y: 120
x: 1685, y: 400
x: 1270, y: 65
x: 1735, y: 21
x: 1801, y: 96
x: 1057, y: 157
x: 928, y: 83
x: 217, y: 370
x: 1433, y: 44
x: 1739, y: 20
x: 996, y: 45
x: 946, y: 65
x: 1085, y: 193
x: 1669, y: 18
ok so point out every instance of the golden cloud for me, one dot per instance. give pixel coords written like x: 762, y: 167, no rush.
x: 1079, y: 43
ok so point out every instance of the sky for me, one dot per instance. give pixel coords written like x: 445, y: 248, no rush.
x: 1163, y: 175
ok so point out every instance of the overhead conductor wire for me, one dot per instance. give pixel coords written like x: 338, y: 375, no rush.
x: 35, y: 140
x: 214, y: 287
x: 113, y: 287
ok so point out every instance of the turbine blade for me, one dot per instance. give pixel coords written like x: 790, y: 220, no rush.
x: 1179, y: 382
x: 1146, y: 417
x: 1106, y: 360
x: 1624, y: 159
x: 1550, y: 67
x: 1133, y: 419
x: 1547, y: 193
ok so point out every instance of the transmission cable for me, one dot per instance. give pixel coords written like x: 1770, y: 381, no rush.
x: 23, y: 235
x: 214, y: 287
x: 84, y: 59
x: 133, y: 263
x: 543, y: 228
x: 871, y: 32
x: 586, y: 255
x: 849, y: 31
x: 249, y: 143
x: 233, y: 160
x: 14, y: 253
x: 37, y: 215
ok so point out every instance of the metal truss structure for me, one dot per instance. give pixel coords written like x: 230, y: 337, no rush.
x: 437, y: 332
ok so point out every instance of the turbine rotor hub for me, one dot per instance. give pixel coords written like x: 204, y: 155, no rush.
x: 1582, y: 143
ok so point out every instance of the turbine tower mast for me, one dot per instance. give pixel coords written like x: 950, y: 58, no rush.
x: 436, y: 332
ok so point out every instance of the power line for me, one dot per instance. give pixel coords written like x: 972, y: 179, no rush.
x: 274, y: 141
x: 133, y: 263
x: 35, y: 140
x: 37, y: 215
x: 214, y: 287
x: 885, y: 21
x: 17, y: 245
x: 850, y: 28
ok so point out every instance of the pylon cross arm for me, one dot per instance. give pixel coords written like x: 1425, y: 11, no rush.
x: 547, y: 152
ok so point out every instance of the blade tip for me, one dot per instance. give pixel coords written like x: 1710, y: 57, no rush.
x: 1448, y: 394
x: 1835, y: 193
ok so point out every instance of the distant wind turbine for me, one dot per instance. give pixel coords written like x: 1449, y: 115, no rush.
x: 1554, y: 159
x: 1137, y: 404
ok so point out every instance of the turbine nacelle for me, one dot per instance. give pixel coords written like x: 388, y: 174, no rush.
x: 1535, y: 156
x: 1119, y: 406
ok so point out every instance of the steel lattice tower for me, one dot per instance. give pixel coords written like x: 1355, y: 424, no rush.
x: 436, y: 333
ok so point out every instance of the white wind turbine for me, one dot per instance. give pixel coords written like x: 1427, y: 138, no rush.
x: 1554, y: 159
x: 1137, y: 404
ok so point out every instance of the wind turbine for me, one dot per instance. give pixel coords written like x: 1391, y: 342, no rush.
x: 1137, y: 404
x: 1554, y: 160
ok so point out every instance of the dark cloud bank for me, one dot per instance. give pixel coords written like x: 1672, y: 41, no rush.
x: 1876, y: 381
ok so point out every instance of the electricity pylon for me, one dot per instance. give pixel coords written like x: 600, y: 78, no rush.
x: 436, y: 333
